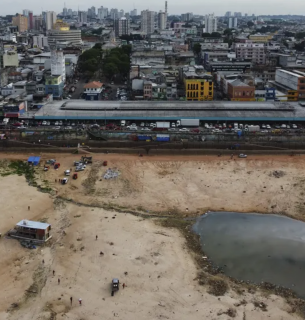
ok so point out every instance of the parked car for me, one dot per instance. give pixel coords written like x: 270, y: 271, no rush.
x: 44, y: 123
x: 145, y: 129
x: 60, y: 123
x: 294, y: 126
x: 268, y: 126
x: 57, y: 128
x: 18, y: 124
x: 172, y: 129
x: 242, y: 155
x: 184, y: 130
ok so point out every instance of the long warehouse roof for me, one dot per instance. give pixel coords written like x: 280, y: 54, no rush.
x: 144, y: 110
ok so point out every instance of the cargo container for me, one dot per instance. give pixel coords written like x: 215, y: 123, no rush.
x: 144, y: 138
x: 163, y: 137
x: 163, y: 124
x: 190, y: 122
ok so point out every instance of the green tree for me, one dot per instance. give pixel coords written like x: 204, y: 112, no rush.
x: 197, y: 49
x: 110, y: 70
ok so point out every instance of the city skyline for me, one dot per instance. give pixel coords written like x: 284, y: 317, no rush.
x: 260, y: 7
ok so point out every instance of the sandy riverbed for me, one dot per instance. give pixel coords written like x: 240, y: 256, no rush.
x: 161, y: 274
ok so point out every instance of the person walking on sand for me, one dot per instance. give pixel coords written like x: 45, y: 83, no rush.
x: 53, y: 273
x: 96, y: 237
x: 124, y: 285
x: 71, y: 299
x: 29, y: 208
x: 58, y: 281
x: 80, y: 301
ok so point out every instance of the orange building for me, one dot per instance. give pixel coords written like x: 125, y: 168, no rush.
x: 21, y: 22
x: 240, y: 91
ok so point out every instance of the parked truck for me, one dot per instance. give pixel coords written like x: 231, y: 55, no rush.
x: 163, y: 124
x: 254, y: 128
x: 190, y: 122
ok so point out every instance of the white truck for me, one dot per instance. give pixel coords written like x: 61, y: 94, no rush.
x: 190, y: 122
x: 163, y: 124
x: 254, y: 128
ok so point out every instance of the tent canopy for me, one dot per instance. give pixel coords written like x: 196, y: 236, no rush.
x: 34, y: 160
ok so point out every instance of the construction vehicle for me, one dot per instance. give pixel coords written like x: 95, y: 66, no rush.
x: 56, y: 165
x: 86, y: 159
x: 115, y: 286
x: 75, y: 176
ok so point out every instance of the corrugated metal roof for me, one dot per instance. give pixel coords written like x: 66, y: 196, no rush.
x: 33, y: 224
x: 161, y: 110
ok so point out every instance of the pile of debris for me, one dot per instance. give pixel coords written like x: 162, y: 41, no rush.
x: 28, y: 244
x: 111, y: 173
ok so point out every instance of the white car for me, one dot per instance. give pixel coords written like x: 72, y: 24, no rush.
x: 283, y: 126
x: 242, y: 155
x: 184, y: 130
x: 268, y: 126
x: 56, y: 123
x: 56, y: 128
x: 294, y: 126
x: 44, y: 123
x: 64, y: 180
x: 288, y: 126
x: 173, y: 125
x: 145, y: 129
x: 172, y: 129
x: 60, y: 123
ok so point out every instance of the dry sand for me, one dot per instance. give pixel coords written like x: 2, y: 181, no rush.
x: 161, y: 274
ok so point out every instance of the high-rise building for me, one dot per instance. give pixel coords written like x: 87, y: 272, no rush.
x: 252, y: 51
x: 161, y: 20
x: 210, y: 23
x: 237, y: 14
x: 70, y: 12
x: 93, y: 12
x: 31, y: 20
x: 25, y: 12
x: 51, y: 17
x: 65, y: 11
x: 121, y: 27
x: 58, y: 67
x: 148, y: 22
x: 102, y: 13
x: 114, y: 14
x: 121, y: 13
x: 82, y: 17
x: 38, y: 23
x: 232, y: 23
x: 21, y: 22
x: 133, y: 12
x: 228, y: 14
x: 186, y: 16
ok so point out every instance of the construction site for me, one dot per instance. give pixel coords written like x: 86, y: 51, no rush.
x: 120, y: 239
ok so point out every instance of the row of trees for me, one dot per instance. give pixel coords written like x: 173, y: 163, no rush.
x: 112, y: 62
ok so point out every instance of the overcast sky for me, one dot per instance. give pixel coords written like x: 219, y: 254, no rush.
x: 218, y: 7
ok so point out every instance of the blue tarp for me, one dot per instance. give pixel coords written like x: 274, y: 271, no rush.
x: 34, y: 160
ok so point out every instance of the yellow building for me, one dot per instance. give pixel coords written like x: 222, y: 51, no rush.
x: 261, y: 37
x: 60, y: 25
x: 199, y: 89
x: 21, y: 22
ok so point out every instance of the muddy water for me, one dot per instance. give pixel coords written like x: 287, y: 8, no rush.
x: 256, y: 247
